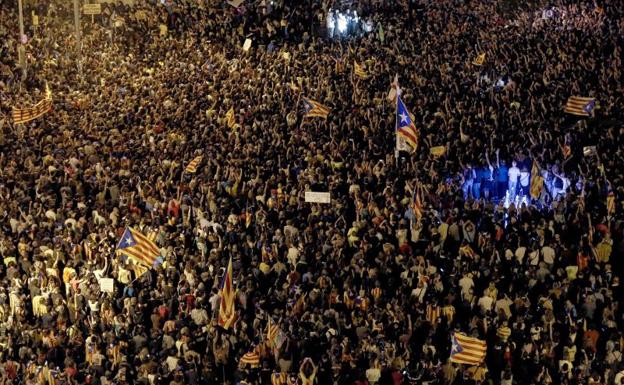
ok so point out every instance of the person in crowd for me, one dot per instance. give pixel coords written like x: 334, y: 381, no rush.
x: 367, y: 288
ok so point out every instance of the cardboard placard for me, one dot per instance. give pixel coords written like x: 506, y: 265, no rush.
x: 317, y: 197
x: 247, y: 45
x: 92, y: 9
x: 107, y: 285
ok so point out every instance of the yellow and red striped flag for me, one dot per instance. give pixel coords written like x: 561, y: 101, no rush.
x: 278, y: 378
x: 566, y: 151
x: 479, y: 60
x: 24, y: 115
x: 314, y: 109
x: 88, y: 252
x: 467, y: 251
x: 273, y: 332
x: 467, y: 350
x: 230, y: 119
x: 417, y: 205
x: 433, y: 314
x: 227, y: 316
x: 299, y: 306
x: 251, y: 358
x: 359, y: 71
x: 191, y: 168
x: 611, y: 203
x: 140, y: 248
x: 537, y: 182
x: 580, y: 106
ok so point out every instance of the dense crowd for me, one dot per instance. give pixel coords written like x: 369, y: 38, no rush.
x: 365, y: 290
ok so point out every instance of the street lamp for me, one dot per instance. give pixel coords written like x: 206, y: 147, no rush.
x: 21, y: 49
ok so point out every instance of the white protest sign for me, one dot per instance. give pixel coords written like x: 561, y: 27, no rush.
x: 92, y: 9
x: 317, y: 197
x: 107, y: 285
x: 247, y: 45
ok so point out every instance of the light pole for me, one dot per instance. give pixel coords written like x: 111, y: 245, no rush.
x: 78, y: 32
x: 21, y: 49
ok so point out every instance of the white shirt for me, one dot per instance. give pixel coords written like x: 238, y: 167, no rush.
x: 485, y: 303
x: 466, y: 284
x: 520, y: 252
x: 513, y: 174
x: 524, y: 178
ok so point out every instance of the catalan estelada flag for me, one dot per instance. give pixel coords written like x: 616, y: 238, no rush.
x: 359, y: 71
x: 580, y: 106
x: 479, y: 60
x: 405, y: 127
x: 227, y: 316
x: 191, y: 168
x: 139, y: 248
x: 314, y: 109
x: 467, y: 350
x: 24, y: 115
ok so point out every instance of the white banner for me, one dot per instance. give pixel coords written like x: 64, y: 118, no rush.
x: 317, y: 197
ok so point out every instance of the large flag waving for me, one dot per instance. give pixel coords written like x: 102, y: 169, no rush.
x: 580, y: 106
x: 314, y: 109
x: 467, y: 350
x: 23, y: 115
x: 227, y: 316
x: 139, y: 248
x: 537, y: 182
x: 405, y: 128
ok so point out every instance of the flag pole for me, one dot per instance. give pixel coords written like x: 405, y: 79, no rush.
x: 396, y: 136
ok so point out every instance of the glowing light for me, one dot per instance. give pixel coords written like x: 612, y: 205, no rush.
x: 342, y: 23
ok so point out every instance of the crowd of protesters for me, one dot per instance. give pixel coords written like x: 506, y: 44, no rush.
x: 365, y: 290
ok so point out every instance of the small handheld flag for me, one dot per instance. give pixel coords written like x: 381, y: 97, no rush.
x: 229, y: 118
x: 227, y: 316
x: 359, y: 71
x: 191, y: 168
x: 611, y: 203
x: 417, y: 206
x: 479, y: 60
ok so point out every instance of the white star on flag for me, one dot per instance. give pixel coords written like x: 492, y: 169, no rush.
x: 403, y: 117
